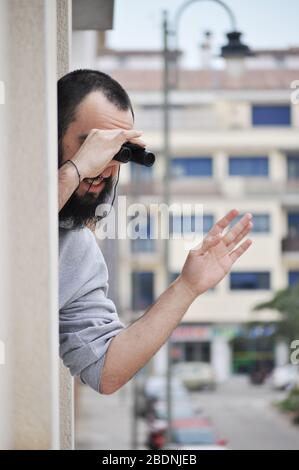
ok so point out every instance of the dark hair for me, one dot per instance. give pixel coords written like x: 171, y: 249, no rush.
x: 73, y: 88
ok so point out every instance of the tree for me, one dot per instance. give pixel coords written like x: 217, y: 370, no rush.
x: 286, y: 301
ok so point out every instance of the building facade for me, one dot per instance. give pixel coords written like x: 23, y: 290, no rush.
x: 234, y: 144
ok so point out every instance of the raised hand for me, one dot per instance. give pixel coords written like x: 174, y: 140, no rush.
x: 99, y: 148
x: 207, y: 265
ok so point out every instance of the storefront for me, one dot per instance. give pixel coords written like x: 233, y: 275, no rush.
x: 230, y: 349
x: 192, y: 343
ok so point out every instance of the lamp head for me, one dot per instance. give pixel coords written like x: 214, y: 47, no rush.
x: 235, y: 48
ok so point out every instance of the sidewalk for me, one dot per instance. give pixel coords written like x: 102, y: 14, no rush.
x: 105, y: 421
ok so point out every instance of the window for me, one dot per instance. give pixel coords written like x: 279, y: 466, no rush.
x: 199, y: 351
x: 142, y: 289
x: 249, y: 280
x: 293, y: 225
x: 293, y: 278
x: 184, y: 223
x: 141, y: 172
x: 261, y: 222
x: 248, y: 166
x: 279, y: 115
x: 186, y: 167
x: 188, y: 224
x: 293, y: 167
x: 144, y: 244
x: 208, y: 222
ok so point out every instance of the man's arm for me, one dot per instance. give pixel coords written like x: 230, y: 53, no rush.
x: 130, y: 350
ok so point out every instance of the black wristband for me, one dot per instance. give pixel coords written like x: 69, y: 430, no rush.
x: 71, y: 161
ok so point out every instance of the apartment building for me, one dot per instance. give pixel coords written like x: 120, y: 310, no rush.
x: 234, y: 143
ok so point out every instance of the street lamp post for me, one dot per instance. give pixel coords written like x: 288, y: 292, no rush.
x: 234, y: 50
x: 166, y: 198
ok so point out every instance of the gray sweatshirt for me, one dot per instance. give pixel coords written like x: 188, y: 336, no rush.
x: 88, y: 320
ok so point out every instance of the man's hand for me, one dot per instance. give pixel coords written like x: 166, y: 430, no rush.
x: 99, y: 149
x: 207, y: 265
x: 91, y: 159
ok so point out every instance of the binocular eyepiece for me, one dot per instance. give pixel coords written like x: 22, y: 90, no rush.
x: 134, y: 153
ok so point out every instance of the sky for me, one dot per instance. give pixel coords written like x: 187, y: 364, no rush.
x: 264, y: 24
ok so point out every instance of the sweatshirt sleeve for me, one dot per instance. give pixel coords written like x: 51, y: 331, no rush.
x: 88, y: 320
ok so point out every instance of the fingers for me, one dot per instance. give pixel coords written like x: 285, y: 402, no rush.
x: 138, y: 142
x: 132, y: 136
x: 241, y: 235
x: 207, y: 243
x: 224, y: 222
x: 129, y: 135
x: 235, y: 231
x: 240, y: 250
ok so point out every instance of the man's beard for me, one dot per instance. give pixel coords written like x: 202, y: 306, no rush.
x: 80, y: 211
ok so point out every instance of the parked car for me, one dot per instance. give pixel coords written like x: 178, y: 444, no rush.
x: 181, y: 408
x: 187, y: 434
x: 155, y: 388
x: 195, y: 375
x: 284, y: 377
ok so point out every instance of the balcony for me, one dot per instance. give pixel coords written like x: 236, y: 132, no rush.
x: 286, y: 190
x: 179, y: 186
x: 290, y: 244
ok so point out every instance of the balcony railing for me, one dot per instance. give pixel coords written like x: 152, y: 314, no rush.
x: 214, y: 186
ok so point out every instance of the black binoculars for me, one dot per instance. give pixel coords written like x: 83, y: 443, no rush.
x: 134, y: 153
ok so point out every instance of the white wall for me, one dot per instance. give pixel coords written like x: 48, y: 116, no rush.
x: 66, y: 382
x: 84, y: 46
x: 5, y: 431
x: 221, y: 359
x: 30, y: 220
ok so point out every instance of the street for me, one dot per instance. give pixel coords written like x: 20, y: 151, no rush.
x: 242, y: 413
